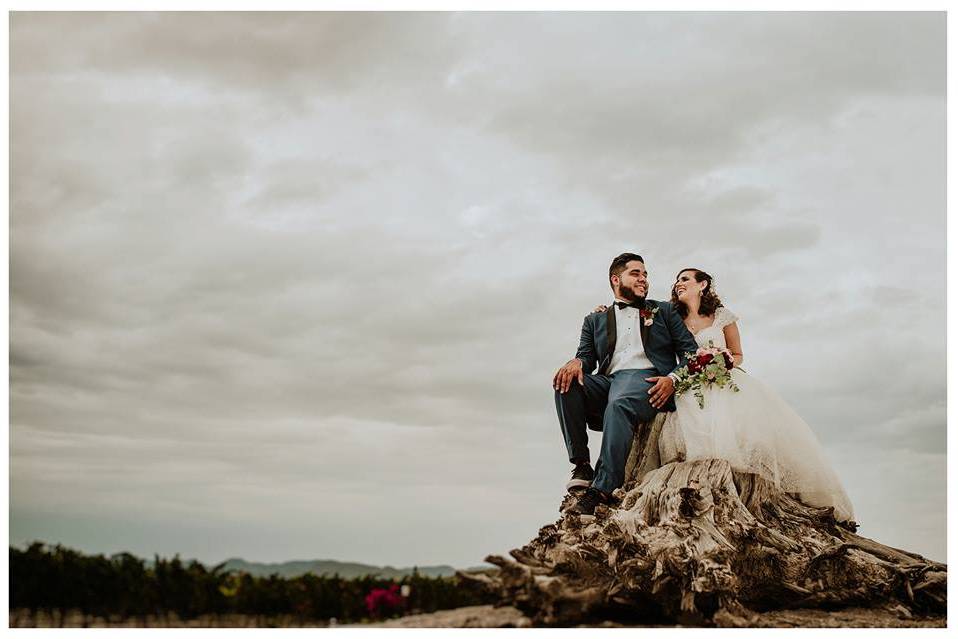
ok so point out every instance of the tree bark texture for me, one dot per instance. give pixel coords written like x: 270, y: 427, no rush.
x: 694, y: 542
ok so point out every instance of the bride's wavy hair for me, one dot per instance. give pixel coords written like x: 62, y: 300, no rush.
x: 710, y: 301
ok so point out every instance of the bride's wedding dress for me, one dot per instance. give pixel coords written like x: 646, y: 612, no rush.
x: 756, y: 431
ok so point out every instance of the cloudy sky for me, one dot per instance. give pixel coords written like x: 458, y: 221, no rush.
x: 290, y: 286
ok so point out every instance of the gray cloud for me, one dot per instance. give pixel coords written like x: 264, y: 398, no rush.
x: 306, y: 277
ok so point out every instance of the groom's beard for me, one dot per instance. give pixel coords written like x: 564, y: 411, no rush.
x: 629, y: 295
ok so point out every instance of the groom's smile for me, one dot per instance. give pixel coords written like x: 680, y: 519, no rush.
x: 633, y: 282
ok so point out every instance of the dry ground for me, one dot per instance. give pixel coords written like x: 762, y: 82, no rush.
x: 489, y: 617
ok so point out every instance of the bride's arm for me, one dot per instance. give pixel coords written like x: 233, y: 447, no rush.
x: 734, y: 342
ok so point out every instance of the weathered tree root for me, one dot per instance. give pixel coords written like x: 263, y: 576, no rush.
x: 700, y: 544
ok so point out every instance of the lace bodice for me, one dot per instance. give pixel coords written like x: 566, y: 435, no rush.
x: 716, y: 332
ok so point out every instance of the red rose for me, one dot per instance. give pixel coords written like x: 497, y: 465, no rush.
x: 703, y: 359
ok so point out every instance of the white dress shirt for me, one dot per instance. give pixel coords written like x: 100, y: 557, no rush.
x: 629, y: 353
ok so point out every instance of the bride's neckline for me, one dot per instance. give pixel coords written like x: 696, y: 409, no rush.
x: 704, y: 328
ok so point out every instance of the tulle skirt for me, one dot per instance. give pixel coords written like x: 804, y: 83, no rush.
x: 757, y: 432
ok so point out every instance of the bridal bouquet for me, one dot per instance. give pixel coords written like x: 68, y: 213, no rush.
x: 710, y: 365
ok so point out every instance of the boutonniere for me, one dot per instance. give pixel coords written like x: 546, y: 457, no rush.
x: 648, y: 315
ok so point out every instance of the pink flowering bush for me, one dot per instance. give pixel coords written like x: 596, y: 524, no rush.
x: 384, y: 602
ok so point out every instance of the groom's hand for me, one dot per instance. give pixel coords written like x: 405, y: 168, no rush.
x: 564, y: 376
x: 660, y: 391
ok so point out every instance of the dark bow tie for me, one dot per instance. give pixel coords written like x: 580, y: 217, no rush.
x: 638, y: 305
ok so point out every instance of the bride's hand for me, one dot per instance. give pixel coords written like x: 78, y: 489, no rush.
x: 601, y: 308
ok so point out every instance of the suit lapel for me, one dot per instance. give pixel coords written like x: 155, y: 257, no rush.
x: 644, y: 332
x: 611, y: 329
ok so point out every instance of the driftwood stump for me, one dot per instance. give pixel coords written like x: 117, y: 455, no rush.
x: 697, y: 543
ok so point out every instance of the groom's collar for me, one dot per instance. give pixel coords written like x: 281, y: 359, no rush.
x: 619, y: 299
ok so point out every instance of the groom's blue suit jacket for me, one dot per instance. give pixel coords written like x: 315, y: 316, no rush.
x: 666, y: 342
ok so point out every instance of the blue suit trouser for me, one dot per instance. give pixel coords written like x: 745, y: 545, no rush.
x: 622, y: 400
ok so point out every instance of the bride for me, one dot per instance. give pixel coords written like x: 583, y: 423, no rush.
x: 754, y: 429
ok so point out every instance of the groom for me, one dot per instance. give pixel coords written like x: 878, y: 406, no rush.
x: 636, y: 344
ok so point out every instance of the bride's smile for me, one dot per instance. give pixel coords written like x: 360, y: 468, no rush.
x: 686, y: 287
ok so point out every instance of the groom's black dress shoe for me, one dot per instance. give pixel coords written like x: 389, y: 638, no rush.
x: 582, y: 477
x: 587, y: 502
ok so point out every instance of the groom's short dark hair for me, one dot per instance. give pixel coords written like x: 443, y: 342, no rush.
x: 618, y: 264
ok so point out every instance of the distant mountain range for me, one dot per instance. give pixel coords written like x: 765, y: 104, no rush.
x: 346, y: 570
x: 288, y: 569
